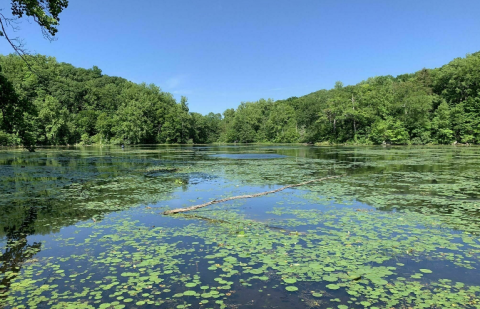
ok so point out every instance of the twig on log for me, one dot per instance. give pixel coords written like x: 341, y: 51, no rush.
x: 215, y: 201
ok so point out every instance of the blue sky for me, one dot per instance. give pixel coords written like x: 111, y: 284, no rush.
x: 220, y: 53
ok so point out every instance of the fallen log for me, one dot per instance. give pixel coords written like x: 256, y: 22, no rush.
x: 175, y: 211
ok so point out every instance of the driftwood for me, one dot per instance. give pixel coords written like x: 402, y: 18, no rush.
x: 174, y: 211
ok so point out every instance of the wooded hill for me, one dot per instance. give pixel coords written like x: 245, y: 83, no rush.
x: 62, y: 104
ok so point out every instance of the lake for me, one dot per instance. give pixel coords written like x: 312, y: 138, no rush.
x: 83, y: 227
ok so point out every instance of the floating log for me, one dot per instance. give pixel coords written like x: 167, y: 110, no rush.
x: 174, y: 211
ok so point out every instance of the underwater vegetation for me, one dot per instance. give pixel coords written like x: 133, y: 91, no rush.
x: 84, y: 228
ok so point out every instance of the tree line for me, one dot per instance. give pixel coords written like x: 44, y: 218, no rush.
x: 431, y: 106
x: 58, y: 104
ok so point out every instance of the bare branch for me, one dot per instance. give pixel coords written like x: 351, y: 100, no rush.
x: 18, y: 47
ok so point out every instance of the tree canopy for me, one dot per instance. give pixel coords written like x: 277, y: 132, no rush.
x: 44, y: 12
x: 67, y: 105
x: 437, y: 106
x: 82, y: 106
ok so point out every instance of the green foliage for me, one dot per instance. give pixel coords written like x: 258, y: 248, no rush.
x: 14, y: 119
x: 52, y: 120
x: 62, y: 104
x: 6, y: 139
x: 65, y: 105
x: 429, y: 106
x: 389, y: 130
x: 442, y: 125
x: 44, y: 13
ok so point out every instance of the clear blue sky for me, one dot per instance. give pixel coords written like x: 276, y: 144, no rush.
x: 219, y: 53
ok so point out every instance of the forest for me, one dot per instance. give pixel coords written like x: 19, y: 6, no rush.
x: 53, y: 103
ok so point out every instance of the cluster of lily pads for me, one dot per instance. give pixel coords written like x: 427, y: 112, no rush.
x: 398, y: 231
x: 376, y: 258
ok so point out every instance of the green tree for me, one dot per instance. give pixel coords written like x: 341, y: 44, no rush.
x: 281, y: 126
x: 441, y: 124
x: 52, y: 119
x: 389, y: 131
x: 13, y: 118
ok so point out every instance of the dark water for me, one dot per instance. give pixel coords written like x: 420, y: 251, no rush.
x: 83, y: 227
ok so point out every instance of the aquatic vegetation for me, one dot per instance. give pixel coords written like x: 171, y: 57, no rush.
x: 384, y: 236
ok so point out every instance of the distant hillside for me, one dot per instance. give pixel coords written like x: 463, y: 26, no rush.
x: 430, y: 106
x: 62, y: 104
x: 68, y: 105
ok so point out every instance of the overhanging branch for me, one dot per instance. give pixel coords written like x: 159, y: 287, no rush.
x: 17, y: 47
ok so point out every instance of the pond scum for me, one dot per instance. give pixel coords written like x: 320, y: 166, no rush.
x: 83, y: 228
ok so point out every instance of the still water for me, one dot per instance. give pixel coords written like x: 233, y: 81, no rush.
x: 84, y: 227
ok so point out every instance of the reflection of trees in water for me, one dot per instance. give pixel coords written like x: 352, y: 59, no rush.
x: 46, y: 181
x: 35, y: 200
x: 23, y: 216
x: 66, y: 206
x: 17, y: 249
x: 60, y: 182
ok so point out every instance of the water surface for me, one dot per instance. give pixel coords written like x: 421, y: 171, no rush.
x: 83, y: 227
